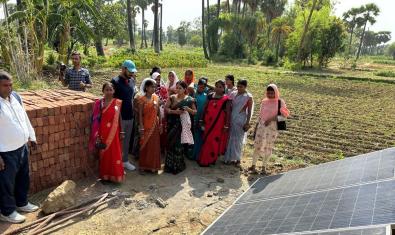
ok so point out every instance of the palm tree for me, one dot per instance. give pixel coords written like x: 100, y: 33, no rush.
x: 352, y: 20
x: 160, y: 26
x: 272, y: 9
x: 280, y: 29
x: 204, y: 34
x: 143, y: 4
x: 130, y: 25
x: 369, y: 11
x: 156, y: 26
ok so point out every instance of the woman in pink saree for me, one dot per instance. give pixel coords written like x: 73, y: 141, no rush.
x: 266, y: 132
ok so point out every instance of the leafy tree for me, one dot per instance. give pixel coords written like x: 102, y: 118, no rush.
x: 171, y: 34
x: 196, y: 40
x: 182, y: 33
x: 331, y: 40
x: 305, y: 30
x: 391, y: 50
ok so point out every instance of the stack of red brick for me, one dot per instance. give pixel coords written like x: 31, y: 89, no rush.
x: 61, y: 120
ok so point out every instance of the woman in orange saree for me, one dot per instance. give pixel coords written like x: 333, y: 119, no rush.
x: 106, y: 129
x: 150, y: 127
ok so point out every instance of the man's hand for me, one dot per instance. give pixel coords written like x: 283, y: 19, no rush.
x: 2, y: 165
x: 82, y: 85
x: 34, y: 145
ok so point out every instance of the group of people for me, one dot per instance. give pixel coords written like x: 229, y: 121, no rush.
x: 178, y: 119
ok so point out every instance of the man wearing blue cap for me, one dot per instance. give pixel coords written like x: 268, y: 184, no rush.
x: 125, y: 85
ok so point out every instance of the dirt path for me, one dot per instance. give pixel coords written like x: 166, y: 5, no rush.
x: 195, y: 197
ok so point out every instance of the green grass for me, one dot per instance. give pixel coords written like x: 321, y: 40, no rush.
x: 171, y: 57
x: 331, y: 118
x: 386, y: 74
x: 389, y: 62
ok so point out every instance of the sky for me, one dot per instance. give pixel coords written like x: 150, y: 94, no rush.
x: 175, y: 11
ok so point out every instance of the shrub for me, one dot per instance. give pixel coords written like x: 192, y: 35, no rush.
x: 233, y: 47
x: 269, y: 57
x: 196, y: 41
x: 390, y: 62
x: 51, y: 59
x: 145, y: 59
x: 288, y: 64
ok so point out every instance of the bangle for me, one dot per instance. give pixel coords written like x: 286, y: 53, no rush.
x: 121, y: 132
x: 226, y: 127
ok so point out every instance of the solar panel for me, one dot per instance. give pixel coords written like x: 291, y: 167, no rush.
x: 351, y: 196
x: 369, y: 204
x: 372, y: 230
x: 357, y: 170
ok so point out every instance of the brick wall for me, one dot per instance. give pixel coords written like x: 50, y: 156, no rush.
x: 61, y: 120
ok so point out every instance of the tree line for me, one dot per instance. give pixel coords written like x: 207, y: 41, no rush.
x: 304, y: 33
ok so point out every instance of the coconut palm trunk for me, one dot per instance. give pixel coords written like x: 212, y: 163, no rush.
x: 130, y: 25
x: 204, y: 34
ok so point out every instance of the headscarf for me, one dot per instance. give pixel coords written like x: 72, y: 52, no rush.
x: 155, y: 75
x: 193, y: 78
x: 142, y: 92
x: 269, y: 107
x: 175, y: 81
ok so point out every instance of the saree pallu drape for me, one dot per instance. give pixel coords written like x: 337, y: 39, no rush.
x: 150, y: 139
x: 215, y: 139
x: 110, y: 167
x: 176, y: 152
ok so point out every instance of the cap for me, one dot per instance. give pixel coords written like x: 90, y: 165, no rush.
x: 131, y: 67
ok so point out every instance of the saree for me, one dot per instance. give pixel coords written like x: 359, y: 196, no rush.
x: 162, y: 93
x: 215, y: 138
x: 110, y: 160
x: 201, y: 100
x: 266, y: 135
x: 237, y: 135
x: 176, y: 152
x: 150, y: 139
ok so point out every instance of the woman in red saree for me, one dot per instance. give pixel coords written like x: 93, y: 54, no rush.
x: 106, y: 129
x: 150, y: 127
x: 216, y: 125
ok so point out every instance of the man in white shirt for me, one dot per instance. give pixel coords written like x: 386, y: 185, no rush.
x: 16, y: 131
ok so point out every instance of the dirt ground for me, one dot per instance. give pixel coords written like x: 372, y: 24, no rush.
x: 195, y: 197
